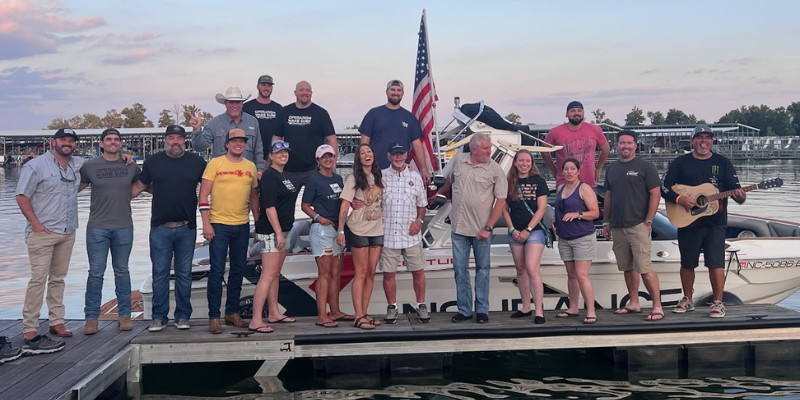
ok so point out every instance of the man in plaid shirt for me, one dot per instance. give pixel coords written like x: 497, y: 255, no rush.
x: 404, y: 203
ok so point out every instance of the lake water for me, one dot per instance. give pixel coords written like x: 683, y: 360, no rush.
x: 511, y: 375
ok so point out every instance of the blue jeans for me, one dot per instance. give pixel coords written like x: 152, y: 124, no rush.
x: 235, y: 238
x: 98, y: 243
x: 164, y: 243
x: 482, y: 251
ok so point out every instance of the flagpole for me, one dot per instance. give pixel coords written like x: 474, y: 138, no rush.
x: 433, y: 93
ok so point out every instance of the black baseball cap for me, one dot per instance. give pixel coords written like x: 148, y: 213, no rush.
x: 64, y: 132
x: 703, y: 129
x: 574, y: 104
x: 109, y: 131
x: 397, y: 148
x: 175, y: 129
x: 266, y: 79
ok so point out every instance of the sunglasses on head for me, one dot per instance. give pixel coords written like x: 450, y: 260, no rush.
x: 280, y: 145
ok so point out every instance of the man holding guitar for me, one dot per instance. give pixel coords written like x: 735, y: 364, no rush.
x: 707, y: 233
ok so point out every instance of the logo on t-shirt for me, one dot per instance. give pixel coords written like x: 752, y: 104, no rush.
x: 299, y: 120
x: 237, y: 172
x: 336, y: 188
x: 289, y: 185
x: 405, y: 124
x: 632, y: 173
x: 265, y: 114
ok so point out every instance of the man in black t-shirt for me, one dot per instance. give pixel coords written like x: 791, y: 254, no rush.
x: 633, y: 191
x: 305, y: 126
x: 265, y: 110
x: 707, y: 234
x: 173, y: 175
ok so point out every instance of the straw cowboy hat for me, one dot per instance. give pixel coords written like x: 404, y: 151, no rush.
x: 232, y: 94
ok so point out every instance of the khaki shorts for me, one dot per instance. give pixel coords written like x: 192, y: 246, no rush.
x: 632, y: 248
x: 580, y: 249
x: 390, y: 258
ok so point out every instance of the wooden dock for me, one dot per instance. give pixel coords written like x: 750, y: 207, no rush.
x: 89, y: 364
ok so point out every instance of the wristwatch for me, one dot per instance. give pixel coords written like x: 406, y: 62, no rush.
x: 648, y: 222
x: 580, y: 214
x: 529, y: 228
x: 487, y: 228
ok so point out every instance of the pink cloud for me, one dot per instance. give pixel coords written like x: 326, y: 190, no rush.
x: 134, y: 57
x: 29, y: 28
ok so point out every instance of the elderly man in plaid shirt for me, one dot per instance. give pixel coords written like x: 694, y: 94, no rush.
x: 404, y: 204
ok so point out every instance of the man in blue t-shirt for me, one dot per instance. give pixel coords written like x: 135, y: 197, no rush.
x: 388, y: 124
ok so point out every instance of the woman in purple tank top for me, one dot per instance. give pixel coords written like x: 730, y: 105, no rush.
x: 576, y: 208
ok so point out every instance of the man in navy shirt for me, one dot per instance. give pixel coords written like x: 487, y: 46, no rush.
x: 385, y: 125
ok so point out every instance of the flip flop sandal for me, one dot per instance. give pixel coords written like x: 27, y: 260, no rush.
x: 261, y: 329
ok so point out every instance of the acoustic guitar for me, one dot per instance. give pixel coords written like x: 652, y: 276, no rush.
x: 706, y: 197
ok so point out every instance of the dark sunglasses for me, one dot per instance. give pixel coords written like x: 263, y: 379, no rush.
x: 561, y: 205
x: 64, y: 178
x: 280, y: 145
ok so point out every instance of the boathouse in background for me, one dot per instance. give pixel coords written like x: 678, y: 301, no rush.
x: 736, y: 141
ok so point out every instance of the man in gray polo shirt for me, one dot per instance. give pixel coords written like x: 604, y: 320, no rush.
x: 110, y: 227
x: 47, y: 195
x: 213, y: 134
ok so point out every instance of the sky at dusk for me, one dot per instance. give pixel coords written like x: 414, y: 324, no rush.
x: 63, y: 58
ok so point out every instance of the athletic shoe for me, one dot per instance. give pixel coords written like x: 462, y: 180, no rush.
x: 7, y: 351
x: 156, y: 326
x: 717, y: 310
x: 41, y: 344
x: 684, y: 305
x: 460, y: 318
x: 391, y: 314
x: 483, y: 318
x: 182, y: 323
x: 422, y: 313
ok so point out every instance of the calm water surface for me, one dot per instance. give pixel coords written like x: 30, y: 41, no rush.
x: 510, y: 375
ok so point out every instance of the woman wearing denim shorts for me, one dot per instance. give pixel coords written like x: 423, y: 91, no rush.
x: 576, y: 209
x: 277, y: 197
x: 527, y: 203
x: 321, y: 203
x: 364, y: 230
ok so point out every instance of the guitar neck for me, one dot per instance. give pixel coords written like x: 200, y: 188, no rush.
x: 722, y: 195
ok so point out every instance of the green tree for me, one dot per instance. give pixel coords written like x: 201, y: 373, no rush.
x: 112, y: 119
x: 635, y: 117
x: 677, y: 117
x: 513, y: 118
x: 599, y: 115
x: 188, y: 110
x: 90, y: 121
x: 134, y: 116
x: 57, y: 123
x: 770, y: 122
x: 656, y: 118
x: 794, y: 113
x: 165, y: 119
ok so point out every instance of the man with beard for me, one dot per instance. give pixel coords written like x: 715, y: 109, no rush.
x: 632, y: 195
x: 110, y: 228
x: 388, y: 124
x: 479, y: 189
x: 47, y: 195
x: 215, y: 131
x: 174, y: 175
x: 580, y: 140
x: 265, y: 110
x: 306, y: 126
x: 232, y: 183
x: 707, y: 234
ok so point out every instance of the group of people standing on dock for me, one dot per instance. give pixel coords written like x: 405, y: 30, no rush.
x: 377, y: 211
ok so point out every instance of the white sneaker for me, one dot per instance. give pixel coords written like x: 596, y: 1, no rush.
x: 717, y: 310
x: 182, y: 323
x: 156, y: 326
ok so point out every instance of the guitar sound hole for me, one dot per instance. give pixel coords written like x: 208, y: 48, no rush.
x: 700, y: 201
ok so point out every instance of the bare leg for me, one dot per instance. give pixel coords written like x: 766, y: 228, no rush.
x: 573, y: 288
x: 632, y: 283
x: 687, y: 281
x: 374, y: 254
x: 717, y: 276
x: 272, y: 297
x: 533, y: 258
x: 582, y: 272
x: 361, y: 264
x: 270, y: 269
x: 335, y: 287
x: 419, y: 284
x: 389, y: 287
x: 324, y: 265
x: 523, y: 280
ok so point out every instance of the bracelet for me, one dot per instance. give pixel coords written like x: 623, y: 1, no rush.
x: 510, y: 230
x: 315, y: 217
x: 606, y: 223
x: 677, y: 199
x: 420, y: 220
x: 203, y: 204
x: 341, y: 232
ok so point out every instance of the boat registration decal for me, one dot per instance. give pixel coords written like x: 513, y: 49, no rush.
x: 769, y: 264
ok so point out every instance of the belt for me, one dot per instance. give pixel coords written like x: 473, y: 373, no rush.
x: 175, y: 224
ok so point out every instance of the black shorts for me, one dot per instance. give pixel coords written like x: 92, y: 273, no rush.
x: 357, y: 241
x: 709, y: 240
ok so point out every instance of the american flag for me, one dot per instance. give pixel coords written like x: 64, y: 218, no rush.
x: 425, y: 94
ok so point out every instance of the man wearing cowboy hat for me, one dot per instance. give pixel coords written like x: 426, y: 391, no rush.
x: 213, y: 134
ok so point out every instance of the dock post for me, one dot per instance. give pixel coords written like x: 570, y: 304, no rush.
x: 134, y: 376
x: 270, y: 368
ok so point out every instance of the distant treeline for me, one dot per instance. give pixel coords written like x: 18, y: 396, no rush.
x: 131, y: 117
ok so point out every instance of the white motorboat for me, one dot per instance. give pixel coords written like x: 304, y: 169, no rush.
x: 763, y: 264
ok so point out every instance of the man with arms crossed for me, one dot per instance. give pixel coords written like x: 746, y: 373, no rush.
x: 385, y: 125
x: 174, y: 175
x: 110, y: 228
x: 479, y: 189
x: 306, y: 126
x: 580, y: 139
x: 707, y: 234
x: 632, y: 195
x: 47, y: 195
x: 232, y: 182
x: 265, y: 110
x: 404, y: 204
x: 216, y: 130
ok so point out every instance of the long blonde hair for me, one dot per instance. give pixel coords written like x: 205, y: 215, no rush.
x: 513, y: 175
